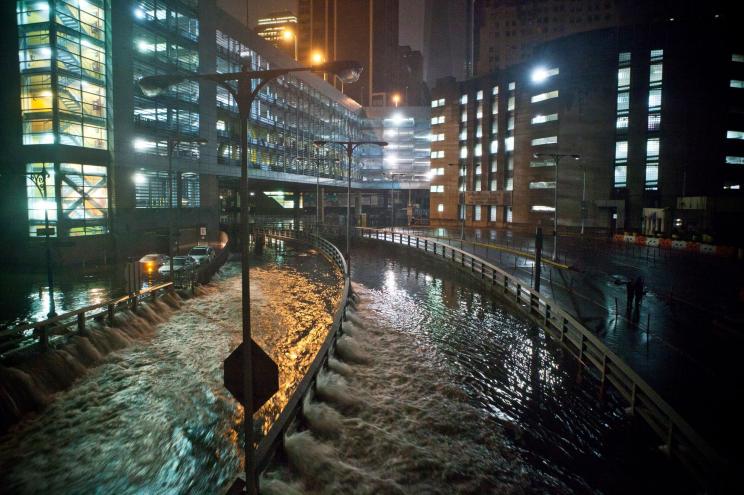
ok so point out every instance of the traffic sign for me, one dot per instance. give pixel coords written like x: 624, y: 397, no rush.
x: 265, y: 375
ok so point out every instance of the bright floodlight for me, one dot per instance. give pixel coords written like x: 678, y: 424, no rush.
x: 397, y: 118
x: 288, y: 35
x: 539, y: 75
x: 154, y: 85
x: 348, y: 71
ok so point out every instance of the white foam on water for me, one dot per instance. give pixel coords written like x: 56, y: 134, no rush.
x: 403, y: 424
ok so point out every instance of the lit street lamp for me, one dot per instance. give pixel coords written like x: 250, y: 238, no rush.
x: 172, y: 143
x: 289, y: 35
x: 350, y: 146
x: 244, y: 95
x: 556, y: 159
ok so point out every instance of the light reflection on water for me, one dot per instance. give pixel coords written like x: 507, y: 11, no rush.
x: 155, y: 418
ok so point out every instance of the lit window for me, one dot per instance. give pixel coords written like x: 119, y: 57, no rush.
x: 621, y: 151
x: 652, y: 147
x: 510, y: 123
x: 478, y: 150
x: 441, y: 102
x: 654, y: 121
x: 440, y: 171
x: 621, y: 176
x: 654, y: 98
x: 541, y: 119
x: 434, y: 103
x: 622, y: 122
x: 477, y: 184
x: 731, y: 187
x: 440, y: 207
x: 509, y: 143
x: 542, y: 208
x: 512, y: 86
x: 495, y: 90
x: 652, y: 176
x: 437, y: 188
x: 735, y: 134
x: 623, y: 101
x: 463, y: 151
x: 494, y: 146
x: 545, y: 96
x: 190, y: 190
x: 542, y: 185
x: 657, y: 55
x: 511, y: 104
x: 479, y: 131
x: 494, y: 165
x: 509, y: 185
x: 464, y: 116
x: 220, y: 125
x: 479, y: 95
x: 508, y: 214
x: 656, y: 72
x: 492, y: 212
x: 736, y: 83
x: 545, y: 140
x: 541, y: 163
x: 735, y: 160
x: 623, y: 58
x: 493, y: 185
x: 37, y: 205
x: 464, y: 100
x: 623, y: 77
x: 84, y: 198
x: 736, y: 57
x: 477, y: 212
x: 437, y: 154
x: 463, y: 134
x: 510, y: 162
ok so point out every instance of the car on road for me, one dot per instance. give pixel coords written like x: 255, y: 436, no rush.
x: 202, y: 254
x: 180, y: 263
x: 151, y: 263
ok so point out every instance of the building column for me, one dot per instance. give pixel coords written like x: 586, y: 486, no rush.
x: 320, y: 203
x: 358, y: 208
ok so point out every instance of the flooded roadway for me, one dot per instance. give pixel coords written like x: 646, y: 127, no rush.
x: 154, y: 417
x: 439, y: 389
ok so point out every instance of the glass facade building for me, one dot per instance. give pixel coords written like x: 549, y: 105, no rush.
x: 63, y: 62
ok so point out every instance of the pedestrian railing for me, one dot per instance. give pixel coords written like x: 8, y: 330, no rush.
x: 41, y: 333
x: 678, y: 437
x: 269, y: 444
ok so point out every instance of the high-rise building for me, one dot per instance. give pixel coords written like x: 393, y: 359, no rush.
x: 445, y: 34
x: 73, y: 111
x: 654, y: 112
x: 280, y: 29
x: 361, y: 30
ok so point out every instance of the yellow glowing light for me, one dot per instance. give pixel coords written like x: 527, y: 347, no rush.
x: 396, y: 99
x: 317, y: 57
x: 288, y: 35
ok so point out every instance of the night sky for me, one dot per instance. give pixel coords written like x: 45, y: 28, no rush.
x: 410, y: 33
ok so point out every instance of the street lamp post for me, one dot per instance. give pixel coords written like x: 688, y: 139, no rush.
x: 583, y: 197
x: 288, y: 35
x: 172, y: 143
x: 460, y: 205
x: 244, y: 95
x: 556, y: 159
x: 40, y: 181
x: 350, y: 146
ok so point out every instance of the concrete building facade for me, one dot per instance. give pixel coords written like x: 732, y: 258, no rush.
x: 653, y: 111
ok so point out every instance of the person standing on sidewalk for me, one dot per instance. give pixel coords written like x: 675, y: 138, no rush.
x: 639, y: 288
x: 630, y: 288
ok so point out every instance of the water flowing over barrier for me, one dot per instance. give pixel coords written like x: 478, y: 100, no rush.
x: 275, y: 438
x: 40, y: 359
x: 678, y: 437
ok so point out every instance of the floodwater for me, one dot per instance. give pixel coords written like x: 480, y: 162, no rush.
x: 439, y: 389
x: 154, y: 416
x: 436, y: 388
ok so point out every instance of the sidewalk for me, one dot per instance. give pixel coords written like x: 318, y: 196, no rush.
x: 684, y: 338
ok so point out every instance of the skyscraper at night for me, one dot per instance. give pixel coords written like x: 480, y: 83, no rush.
x: 362, y: 30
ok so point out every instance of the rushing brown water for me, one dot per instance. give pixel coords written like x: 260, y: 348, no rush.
x: 154, y: 416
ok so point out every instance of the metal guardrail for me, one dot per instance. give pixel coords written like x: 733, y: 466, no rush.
x: 679, y: 439
x: 13, y: 340
x: 40, y: 332
x: 275, y: 437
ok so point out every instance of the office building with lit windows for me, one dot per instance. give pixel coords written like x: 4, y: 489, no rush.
x: 72, y: 109
x: 655, y: 113
x: 279, y: 29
